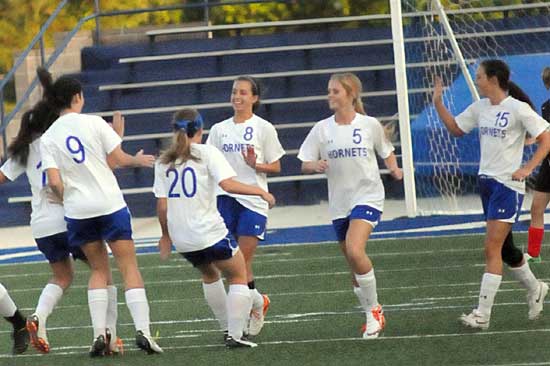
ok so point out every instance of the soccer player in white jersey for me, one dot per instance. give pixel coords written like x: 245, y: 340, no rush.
x: 541, y: 192
x: 77, y: 152
x: 186, y: 176
x: 344, y: 146
x: 9, y: 311
x: 47, y: 219
x: 252, y: 147
x: 502, y: 121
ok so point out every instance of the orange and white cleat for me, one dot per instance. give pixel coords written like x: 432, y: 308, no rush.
x: 257, y: 317
x: 37, y: 334
x: 115, y: 346
x: 376, y: 321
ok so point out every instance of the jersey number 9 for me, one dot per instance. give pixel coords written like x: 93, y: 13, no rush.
x: 75, y: 147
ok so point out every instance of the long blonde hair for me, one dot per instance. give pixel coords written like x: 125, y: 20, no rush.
x: 186, y: 123
x: 351, y: 83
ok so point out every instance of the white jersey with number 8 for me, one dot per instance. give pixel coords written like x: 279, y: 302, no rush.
x: 232, y: 139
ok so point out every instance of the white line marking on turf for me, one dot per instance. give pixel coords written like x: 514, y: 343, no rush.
x: 182, y: 264
x: 282, y: 318
x: 322, y: 340
x: 285, y: 276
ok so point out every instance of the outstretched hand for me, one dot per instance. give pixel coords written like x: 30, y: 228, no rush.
x: 143, y: 160
x: 438, y: 90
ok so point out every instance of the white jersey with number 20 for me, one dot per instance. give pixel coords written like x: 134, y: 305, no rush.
x: 194, y: 222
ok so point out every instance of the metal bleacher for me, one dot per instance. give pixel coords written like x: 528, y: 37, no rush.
x: 148, y: 88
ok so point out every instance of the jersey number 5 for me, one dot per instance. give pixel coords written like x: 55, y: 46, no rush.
x: 184, y: 173
x: 357, y: 136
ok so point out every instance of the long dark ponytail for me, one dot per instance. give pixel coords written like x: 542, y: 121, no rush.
x: 34, y: 122
x: 517, y: 93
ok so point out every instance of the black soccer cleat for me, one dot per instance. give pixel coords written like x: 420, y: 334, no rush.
x: 20, y: 340
x: 147, y: 343
x: 98, y: 347
x: 231, y: 342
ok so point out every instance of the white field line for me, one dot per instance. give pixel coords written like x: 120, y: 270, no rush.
x: 284, y: 318
x: 284, y: 276
x: 63, y: 350
x: 316, y: 293
x: 183, y: 264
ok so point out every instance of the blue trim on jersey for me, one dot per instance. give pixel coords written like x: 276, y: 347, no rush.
x: 111, y: 227
x: 359, y: 212
x: 499, y: 202
x: 241, y: 221
x: 56, y: 248
x: 222, y: 250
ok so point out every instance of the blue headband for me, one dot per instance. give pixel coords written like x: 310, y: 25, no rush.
x: 183, y: 124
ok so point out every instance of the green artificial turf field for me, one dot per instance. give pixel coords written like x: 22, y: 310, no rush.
x: 314, y: 319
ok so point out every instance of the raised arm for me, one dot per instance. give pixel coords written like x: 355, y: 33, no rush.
x: 446, y: 117
x: 119, y: 159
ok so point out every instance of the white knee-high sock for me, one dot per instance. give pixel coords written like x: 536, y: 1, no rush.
x: 367, y: 284
x: 489, y: 287
x: 50, y: 296
x: 257, y: 299
x: 98, y: 302
x: 527, y: 279
x: 215, y: 296
x: 136, y: 300
x: 238, y: 309
x: 7, y: 306
x: 112, y: 311
x: 362, y: 300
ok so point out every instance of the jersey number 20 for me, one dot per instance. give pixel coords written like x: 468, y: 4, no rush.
x: 188, y: 193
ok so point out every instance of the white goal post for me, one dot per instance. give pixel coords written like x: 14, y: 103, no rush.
x: 451, y: 38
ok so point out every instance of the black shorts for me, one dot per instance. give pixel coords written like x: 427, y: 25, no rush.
x: 542, y: 183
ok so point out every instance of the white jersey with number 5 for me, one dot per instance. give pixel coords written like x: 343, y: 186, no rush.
x: 232, y: 139
x: 502, y: 130
x: 194, y: 222
x: 353, y: 175
x: 78, y: 145
x: 46, y: 218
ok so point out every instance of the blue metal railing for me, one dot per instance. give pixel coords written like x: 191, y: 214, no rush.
x: 39, y: 38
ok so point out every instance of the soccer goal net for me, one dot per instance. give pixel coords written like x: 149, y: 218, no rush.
x: 445, y: 168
